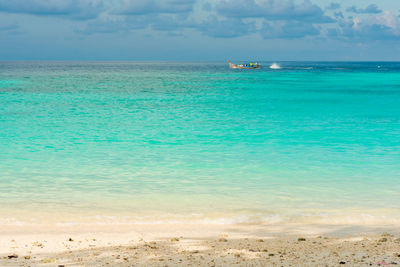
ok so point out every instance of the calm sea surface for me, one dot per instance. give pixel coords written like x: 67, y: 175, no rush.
x: 147, y: 142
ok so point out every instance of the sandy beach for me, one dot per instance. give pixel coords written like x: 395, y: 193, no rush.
x: 199, y: 245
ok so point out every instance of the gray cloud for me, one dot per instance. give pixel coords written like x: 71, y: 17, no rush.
x: 107, y: 26
x: 75, y: 9
x: 274, y: 10
x: 371, y: 9
x: 338, y: 14
x: 171, y: 23
x: 159, y: 22
x: 382, y: 27
x: 225, y: 28
x: 289, y: 30
x: 333, y: 6
x: 132, y: 7
x: 92, y: 9
x: 172, y: 16
x: 371, y: 32
x: 174, y: 25
x: 10, y: 27
x: 280, y: 19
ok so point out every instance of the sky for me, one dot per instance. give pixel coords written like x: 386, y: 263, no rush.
x: 200, y: 30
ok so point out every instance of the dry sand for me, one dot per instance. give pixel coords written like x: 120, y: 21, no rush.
x: 199, y: 245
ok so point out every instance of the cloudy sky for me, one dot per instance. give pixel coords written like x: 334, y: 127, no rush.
x: 199, y: 29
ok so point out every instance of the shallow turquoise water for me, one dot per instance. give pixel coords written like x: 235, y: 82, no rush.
x: 167, y: 141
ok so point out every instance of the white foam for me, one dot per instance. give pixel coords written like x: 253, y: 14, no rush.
x: 275, y: 66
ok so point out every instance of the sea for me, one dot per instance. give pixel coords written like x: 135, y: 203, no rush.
x: 197, y: 142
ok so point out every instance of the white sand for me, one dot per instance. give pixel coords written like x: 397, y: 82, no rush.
x: 199, y: 245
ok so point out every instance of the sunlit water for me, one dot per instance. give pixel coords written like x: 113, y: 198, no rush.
x: 153, y: 142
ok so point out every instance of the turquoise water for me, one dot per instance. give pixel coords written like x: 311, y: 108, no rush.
x: 144, y: 142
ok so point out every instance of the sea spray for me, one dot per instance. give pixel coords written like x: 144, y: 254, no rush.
x: 274, y: 66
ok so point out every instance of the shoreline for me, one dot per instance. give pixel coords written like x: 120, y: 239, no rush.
x: 199, y: 245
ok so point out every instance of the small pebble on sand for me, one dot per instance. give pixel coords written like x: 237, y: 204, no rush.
x: 37, y: 244
x: 12, y: 256
x: 48, y: 260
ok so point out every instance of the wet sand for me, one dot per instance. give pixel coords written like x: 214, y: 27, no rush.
x: 199, y: 245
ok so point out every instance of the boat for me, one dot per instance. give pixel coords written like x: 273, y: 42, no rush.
x: 250, y: 65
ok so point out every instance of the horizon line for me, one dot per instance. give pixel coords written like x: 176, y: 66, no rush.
x: 187, y: 61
